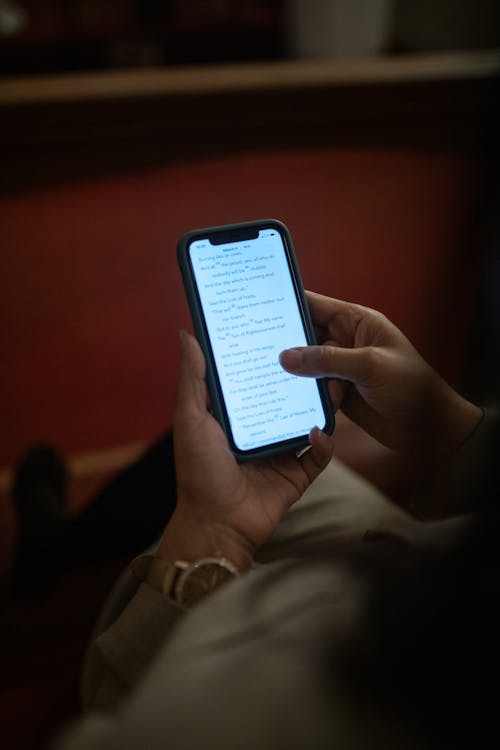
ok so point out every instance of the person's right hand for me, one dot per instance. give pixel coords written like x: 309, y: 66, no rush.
x: 381, y: 383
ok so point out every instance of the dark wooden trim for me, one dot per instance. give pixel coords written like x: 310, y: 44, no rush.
x: 66, y: 128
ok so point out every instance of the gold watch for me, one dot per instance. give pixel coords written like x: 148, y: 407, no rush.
x: 185, y: 582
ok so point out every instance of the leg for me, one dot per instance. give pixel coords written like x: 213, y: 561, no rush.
x: 338, y: 509
x: 130, y: 511
x: 123, y: 518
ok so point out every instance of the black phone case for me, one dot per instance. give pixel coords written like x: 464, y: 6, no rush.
x: 201, y: 333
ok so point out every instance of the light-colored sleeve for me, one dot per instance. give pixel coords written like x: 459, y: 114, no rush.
x: 135, y: 622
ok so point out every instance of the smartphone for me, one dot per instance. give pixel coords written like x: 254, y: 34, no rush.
x: 247, y: 304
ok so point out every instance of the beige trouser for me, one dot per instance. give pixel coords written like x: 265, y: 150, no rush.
x: 339, y: 508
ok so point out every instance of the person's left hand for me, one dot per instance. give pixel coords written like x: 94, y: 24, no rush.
x: 225, y: 508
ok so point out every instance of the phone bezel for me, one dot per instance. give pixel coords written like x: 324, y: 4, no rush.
x: 245, y: 230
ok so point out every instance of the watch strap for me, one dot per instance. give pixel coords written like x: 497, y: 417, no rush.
x: 162, y: 575
x: 159, y: 573
x: 168, y: 578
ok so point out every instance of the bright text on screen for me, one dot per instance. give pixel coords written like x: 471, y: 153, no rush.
x: 251, y: 315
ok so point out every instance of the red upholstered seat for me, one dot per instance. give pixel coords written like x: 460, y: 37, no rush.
x: 91, y: 299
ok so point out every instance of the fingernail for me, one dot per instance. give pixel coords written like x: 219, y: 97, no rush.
x: 312, y: 433
x: 291, y: 359
x: 317, y: 433
x: 183, y: 334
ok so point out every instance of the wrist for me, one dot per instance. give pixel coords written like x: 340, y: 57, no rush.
x: 454, y: 488
x: 457, y: 421
x: 187, y: 537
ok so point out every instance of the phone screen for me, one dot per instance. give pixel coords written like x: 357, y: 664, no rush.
x: 252, y: 313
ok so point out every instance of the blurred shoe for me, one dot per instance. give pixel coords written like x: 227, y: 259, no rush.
x: 40, y: 497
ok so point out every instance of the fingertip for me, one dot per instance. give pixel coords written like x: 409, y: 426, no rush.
x: 185, y: 346
x: 191, y: 353
x: 321, y: 443
x: 291, y: 359
x: 315, y: 435
x: 183, y: 338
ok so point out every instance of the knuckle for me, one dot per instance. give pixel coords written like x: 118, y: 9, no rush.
x: 324, y: 358
x: 376, y: 315
x: 374, y: 361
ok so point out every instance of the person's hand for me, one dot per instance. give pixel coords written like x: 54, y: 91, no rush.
x: 225, y: 508
x: 381, y: 383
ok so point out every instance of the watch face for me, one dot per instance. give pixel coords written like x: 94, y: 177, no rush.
x: 202, y: 577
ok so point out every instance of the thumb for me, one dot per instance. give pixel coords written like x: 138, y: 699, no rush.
x: 191, y: 387
x: 355, y: 365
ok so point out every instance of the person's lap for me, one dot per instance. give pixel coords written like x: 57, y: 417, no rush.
x: 339, y: 508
